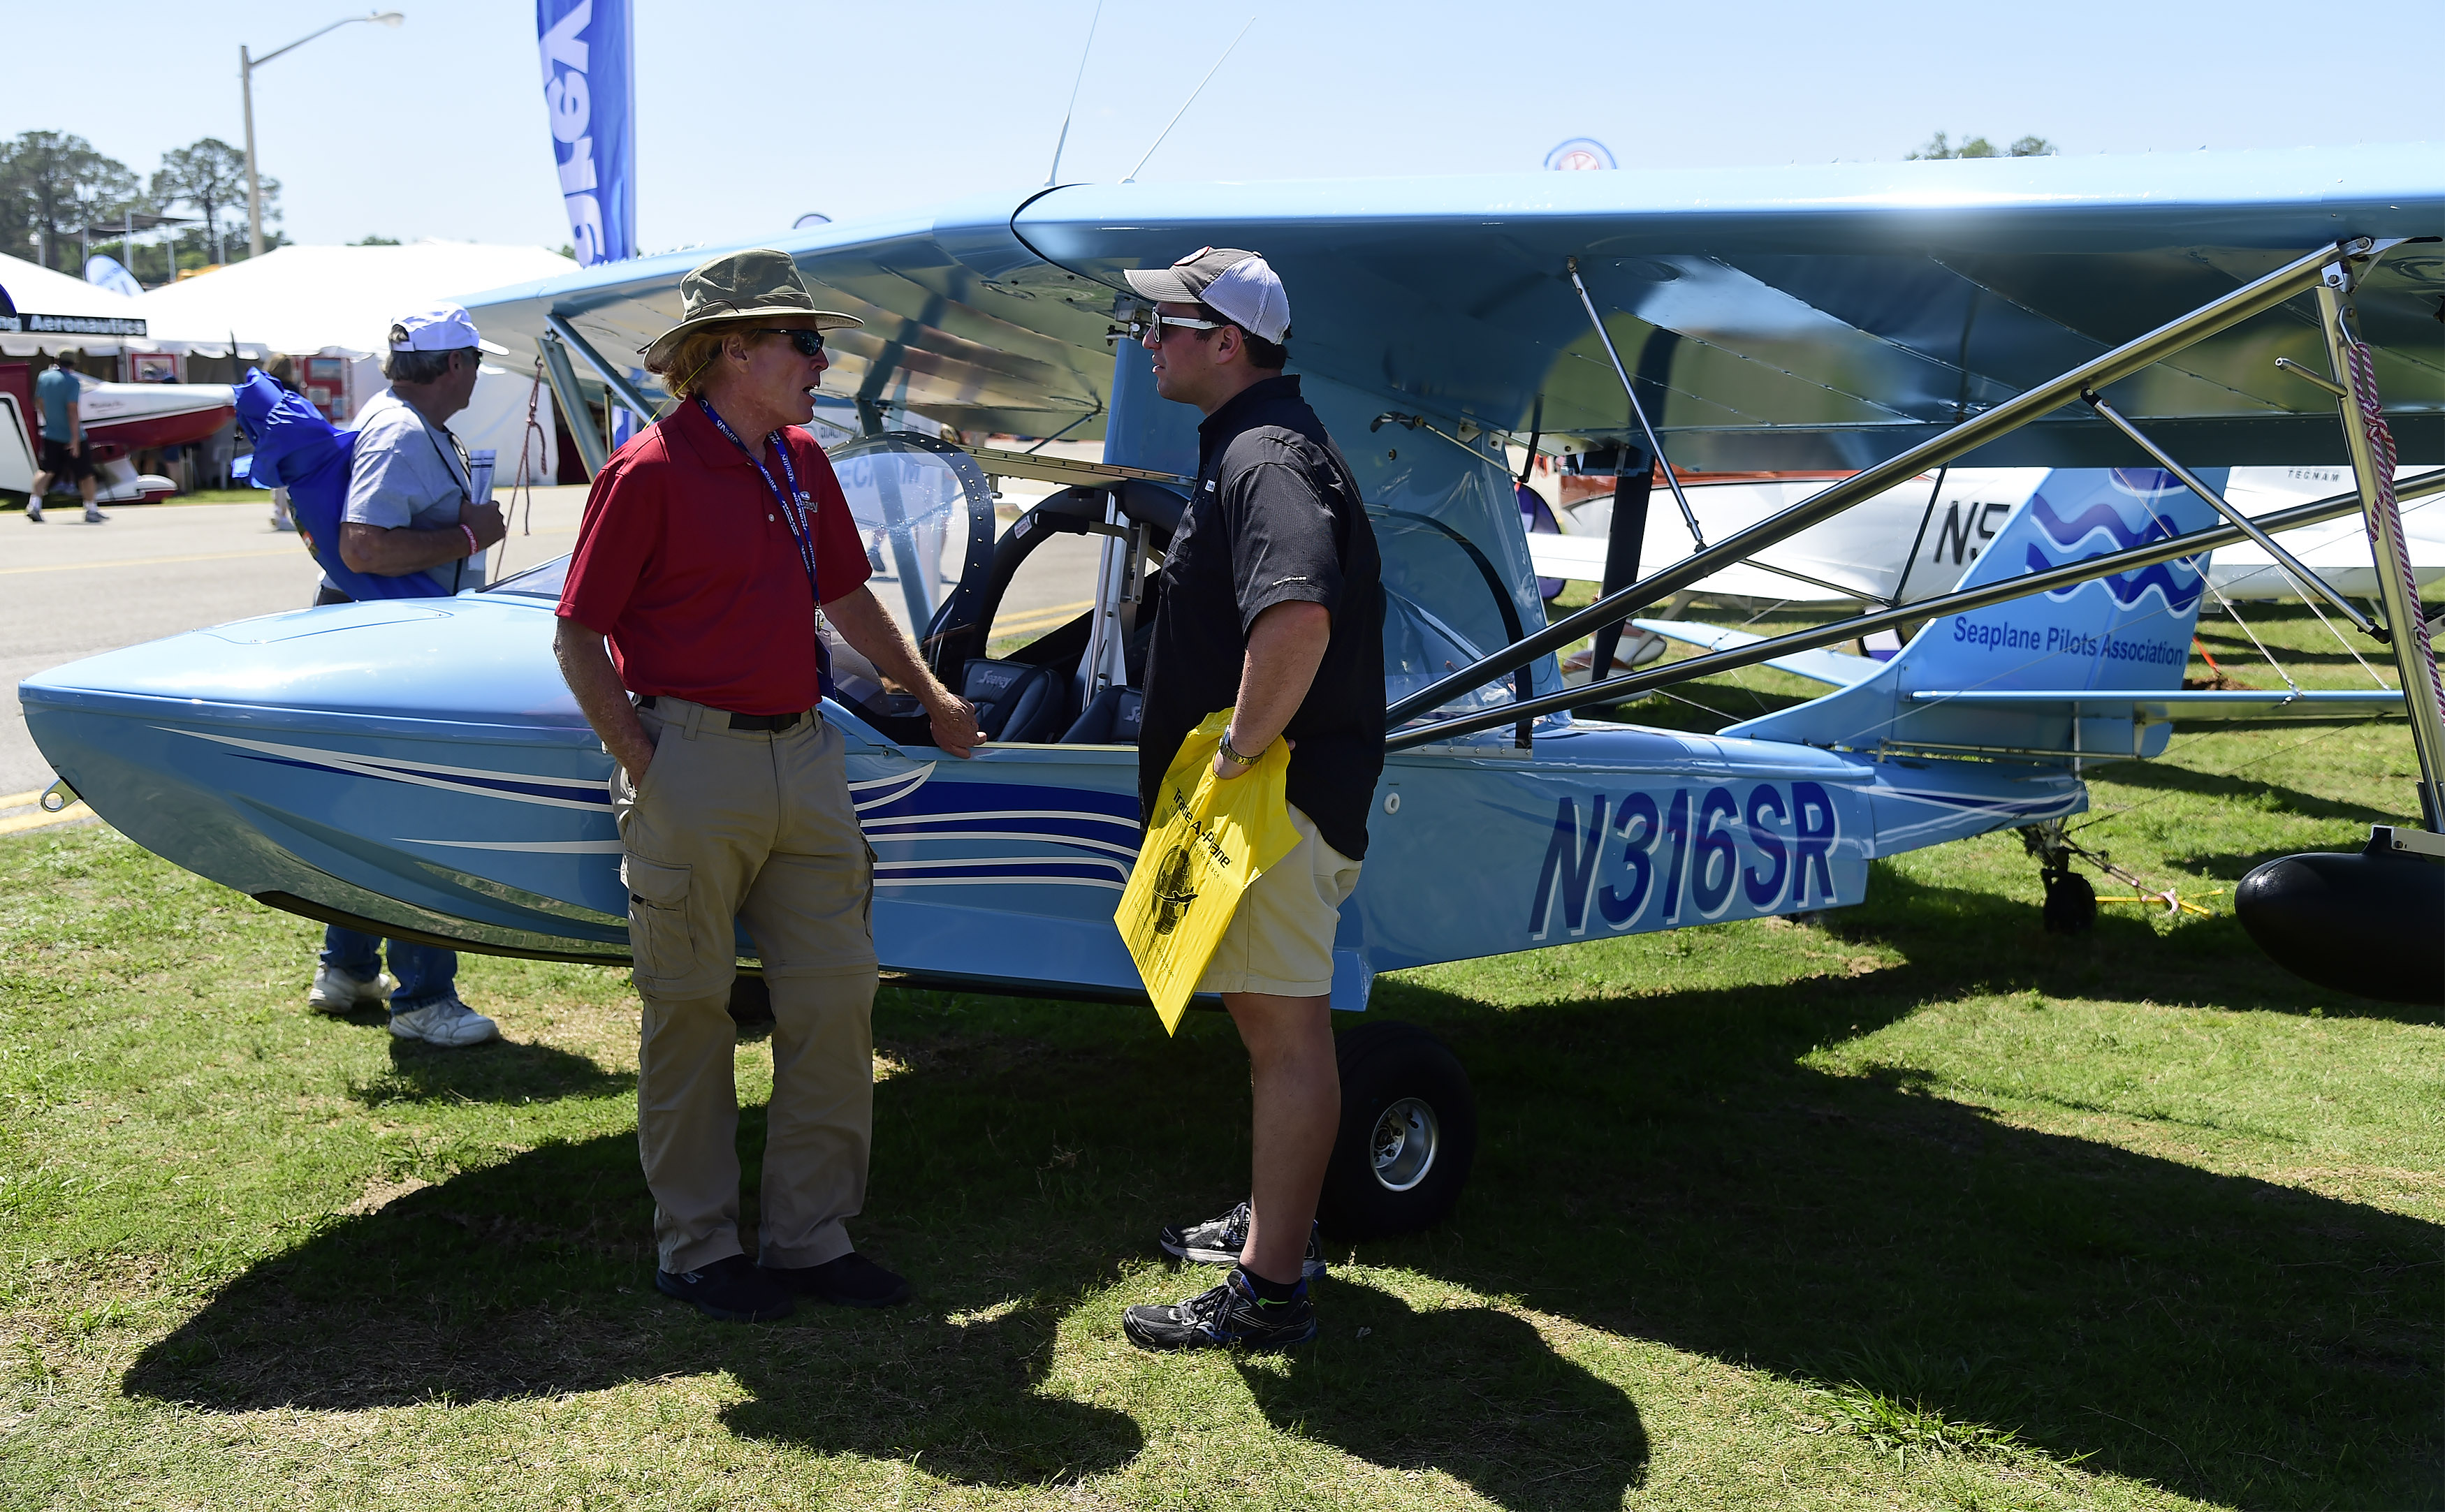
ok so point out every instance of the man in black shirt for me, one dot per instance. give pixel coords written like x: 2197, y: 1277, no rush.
x: 1272, y: 606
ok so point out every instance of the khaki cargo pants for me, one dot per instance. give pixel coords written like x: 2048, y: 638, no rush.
x: 756, y: 827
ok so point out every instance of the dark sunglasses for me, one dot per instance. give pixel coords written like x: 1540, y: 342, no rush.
x: 809, y: 343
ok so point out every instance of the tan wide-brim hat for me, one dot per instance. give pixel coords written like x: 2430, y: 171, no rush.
x: 760, y: 284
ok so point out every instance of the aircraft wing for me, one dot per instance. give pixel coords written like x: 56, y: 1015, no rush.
x: 2187, y: 703
x: 1581, y: 558
x: 1794, y: 318
x: 1840, y: 668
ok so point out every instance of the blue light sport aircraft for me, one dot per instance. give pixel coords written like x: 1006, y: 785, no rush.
x: 415, y: 768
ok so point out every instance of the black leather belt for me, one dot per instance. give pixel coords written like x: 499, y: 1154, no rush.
x: 774, y: 724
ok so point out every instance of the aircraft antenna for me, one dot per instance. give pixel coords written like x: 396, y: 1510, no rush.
x: 1132, y: 174
x: 1053, y: 178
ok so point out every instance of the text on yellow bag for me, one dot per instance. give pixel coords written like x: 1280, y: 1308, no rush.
x: 1206, y: 842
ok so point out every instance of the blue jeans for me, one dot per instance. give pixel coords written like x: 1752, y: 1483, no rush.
x: 426, y: 973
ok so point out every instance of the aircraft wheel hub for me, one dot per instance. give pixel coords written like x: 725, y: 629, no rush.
x: 1404, y: 1145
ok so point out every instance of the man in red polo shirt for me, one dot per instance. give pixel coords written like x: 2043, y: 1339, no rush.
x: 708, y: 542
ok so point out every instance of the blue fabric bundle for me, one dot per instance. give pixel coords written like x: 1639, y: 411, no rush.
x: 297, y: 449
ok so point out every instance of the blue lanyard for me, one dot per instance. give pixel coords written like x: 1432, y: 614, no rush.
x: 798, y: 511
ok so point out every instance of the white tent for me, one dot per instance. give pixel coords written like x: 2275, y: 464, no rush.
x: 339, y: 302
x: 35, y: 289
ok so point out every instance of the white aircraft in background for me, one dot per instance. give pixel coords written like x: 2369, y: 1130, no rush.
x: 1862, y: 554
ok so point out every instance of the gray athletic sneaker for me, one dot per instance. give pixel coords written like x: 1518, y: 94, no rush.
x: 444, y: 1021
x: 336, y: 991
x: 1219, y: 1241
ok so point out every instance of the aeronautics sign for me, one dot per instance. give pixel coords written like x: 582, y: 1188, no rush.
x: 27, y: 323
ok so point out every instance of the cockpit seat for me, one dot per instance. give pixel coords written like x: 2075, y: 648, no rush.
x: 1015, y: 701
x: 1111, y: 718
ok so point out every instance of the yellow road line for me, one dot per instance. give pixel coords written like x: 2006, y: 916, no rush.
x: 37, y: 821
x: 18, y: 800
x: 293, y: 548
x: 1041, y: 619
x: 156, y: 561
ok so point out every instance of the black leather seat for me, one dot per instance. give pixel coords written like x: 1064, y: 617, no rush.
x: 1111, y: 718
x: 1015, y: 701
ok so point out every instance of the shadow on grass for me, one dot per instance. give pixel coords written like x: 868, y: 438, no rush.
x: 1473, y: 1391
x: 501, y: 1071
x: 2167, y: 777
x: 535, y: 1276
x: 1667, y: 1170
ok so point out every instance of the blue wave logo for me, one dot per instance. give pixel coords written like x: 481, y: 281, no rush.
x: 2178, y: 582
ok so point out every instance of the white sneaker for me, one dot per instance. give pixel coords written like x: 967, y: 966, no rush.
x: 336, y: 991
x: 447, y: 1021
x: 33, y: 511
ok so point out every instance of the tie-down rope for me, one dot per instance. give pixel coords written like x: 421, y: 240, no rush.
x: 2397, y: 561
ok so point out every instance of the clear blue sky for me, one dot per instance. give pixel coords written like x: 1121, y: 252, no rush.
x: 752, y: 112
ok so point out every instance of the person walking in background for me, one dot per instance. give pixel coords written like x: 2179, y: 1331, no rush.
x: 410, y: 510
x: 57, y: 395
x: 716, y: 547
x: 1272, y: 606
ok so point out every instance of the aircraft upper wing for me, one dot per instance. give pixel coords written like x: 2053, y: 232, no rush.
x: 1821, y: 317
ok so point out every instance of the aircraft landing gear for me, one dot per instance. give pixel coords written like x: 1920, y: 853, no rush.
x: 2071, y: 902
x: 1409, y: 1132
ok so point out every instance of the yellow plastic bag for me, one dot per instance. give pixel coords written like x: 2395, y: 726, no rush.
x: 1206, y: 841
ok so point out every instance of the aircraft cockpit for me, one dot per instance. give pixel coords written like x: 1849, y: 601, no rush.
x: 942, y: 560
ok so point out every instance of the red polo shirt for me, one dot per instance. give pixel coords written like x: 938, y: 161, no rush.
x: 686, y: 565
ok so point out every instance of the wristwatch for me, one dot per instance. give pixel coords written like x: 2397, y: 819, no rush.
x: 1233, y: 757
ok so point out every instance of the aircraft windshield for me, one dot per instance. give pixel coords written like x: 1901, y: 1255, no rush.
x: 1457, y: 584
x: 925, y: 514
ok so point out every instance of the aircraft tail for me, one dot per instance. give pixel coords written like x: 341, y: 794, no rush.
x: 1976, y: 684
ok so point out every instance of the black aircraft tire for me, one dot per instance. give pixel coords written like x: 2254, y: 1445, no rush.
x: 1404, y: 1099
x: 2071, y: 902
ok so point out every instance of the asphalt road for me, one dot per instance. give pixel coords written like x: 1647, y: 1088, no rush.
x: 69, y: 590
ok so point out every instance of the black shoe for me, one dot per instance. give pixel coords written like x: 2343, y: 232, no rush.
x: 1219, y: 1242
x: 851, y: 1281
x: 734, y: 1290
x: 1231, y: 1314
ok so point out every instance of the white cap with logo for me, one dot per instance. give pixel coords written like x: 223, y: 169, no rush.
x: 1240, y: 285
x: 441, y: 329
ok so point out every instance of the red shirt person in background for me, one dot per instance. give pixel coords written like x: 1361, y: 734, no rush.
x: 709, y: 541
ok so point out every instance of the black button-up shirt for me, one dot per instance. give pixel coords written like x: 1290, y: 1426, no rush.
x: 1275, y: 519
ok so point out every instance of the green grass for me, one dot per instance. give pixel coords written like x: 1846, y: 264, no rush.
x: 1909, y: 1206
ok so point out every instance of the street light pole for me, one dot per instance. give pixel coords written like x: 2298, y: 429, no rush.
x: 253, y: 188
x: 246, y: 66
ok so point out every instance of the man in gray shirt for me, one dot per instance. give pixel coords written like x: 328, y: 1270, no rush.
x: 411, y: 507
x: 410, y: 510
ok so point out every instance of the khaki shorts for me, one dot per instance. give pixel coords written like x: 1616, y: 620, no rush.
x: 1281, y: 939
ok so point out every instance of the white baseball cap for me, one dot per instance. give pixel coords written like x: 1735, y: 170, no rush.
x: 441, y: 329
x: 1240, y: 285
